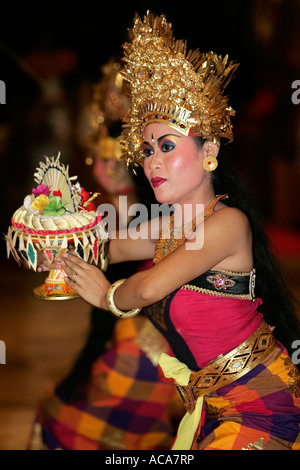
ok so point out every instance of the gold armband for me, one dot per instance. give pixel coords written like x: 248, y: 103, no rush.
x: 111, y: 304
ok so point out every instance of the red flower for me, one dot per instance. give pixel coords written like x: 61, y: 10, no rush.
x: 85, y: 196
x: 90, y: 207
x: 57, y: 193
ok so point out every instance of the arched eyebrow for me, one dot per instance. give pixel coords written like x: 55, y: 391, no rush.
x: 163, y: 137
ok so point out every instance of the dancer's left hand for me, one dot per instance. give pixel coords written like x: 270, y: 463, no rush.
x: 86, y: 279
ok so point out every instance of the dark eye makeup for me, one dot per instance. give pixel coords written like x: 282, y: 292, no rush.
x: 147, y: 150
x: 165, y: 144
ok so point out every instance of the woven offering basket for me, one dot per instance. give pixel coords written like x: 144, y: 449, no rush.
x: 57, y: 216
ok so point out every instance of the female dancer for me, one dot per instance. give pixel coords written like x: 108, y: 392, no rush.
x: 229, y: 338
x: 113, y: 398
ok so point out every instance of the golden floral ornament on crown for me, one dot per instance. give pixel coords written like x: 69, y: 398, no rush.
x: 169, y: 85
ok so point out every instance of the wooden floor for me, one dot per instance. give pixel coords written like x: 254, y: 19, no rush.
x: 42, y: 340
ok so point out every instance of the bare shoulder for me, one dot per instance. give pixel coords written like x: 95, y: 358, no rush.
x: 229, y: 227
x: 229, y: 218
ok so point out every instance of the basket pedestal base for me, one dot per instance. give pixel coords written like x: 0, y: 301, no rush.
x: 55, y: 288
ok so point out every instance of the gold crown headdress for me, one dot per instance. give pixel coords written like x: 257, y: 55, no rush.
x: 110, y: 103
x: 173, y: 87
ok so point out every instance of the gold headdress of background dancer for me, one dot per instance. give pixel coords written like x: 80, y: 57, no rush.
x: 110, y: 103
x: 169, y: 85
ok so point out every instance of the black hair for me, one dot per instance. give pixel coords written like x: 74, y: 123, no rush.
x: 278, y: 306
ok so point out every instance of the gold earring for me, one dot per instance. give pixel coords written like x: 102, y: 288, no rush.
x: 210, y: 163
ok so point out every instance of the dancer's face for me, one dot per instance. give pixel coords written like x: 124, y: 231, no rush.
x: 172, y: 164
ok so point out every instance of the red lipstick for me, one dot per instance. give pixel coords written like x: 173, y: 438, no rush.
x: 157, y: 181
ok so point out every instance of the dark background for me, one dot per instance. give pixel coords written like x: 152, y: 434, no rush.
x: 50, y: 55
x: 65, y: 44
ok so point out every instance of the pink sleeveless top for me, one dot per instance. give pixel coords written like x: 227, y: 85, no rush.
x: 211, y: 325
x: 209, y: 316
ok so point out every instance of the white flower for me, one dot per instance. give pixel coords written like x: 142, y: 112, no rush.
x: 78, y: 187
x: 27, y: 204
x: 76, y: 192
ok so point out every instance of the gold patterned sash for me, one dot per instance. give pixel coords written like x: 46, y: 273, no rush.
x: 226, y: 369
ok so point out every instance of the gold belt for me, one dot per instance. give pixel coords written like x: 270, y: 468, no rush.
x: 228, y: 368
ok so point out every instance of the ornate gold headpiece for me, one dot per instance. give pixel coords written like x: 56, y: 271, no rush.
x: 110, y: 103
x: 173, y: 87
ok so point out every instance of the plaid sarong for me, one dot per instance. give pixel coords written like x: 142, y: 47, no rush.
x: 125, y: 405
x: 259, y: 411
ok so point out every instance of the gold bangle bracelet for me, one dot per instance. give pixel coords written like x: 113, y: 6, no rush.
x: 111, y: 304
